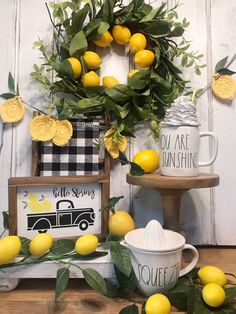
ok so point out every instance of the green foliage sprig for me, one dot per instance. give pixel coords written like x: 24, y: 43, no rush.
x: 148, y: 93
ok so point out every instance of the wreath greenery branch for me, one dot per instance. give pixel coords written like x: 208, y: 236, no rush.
x: 146, y: 94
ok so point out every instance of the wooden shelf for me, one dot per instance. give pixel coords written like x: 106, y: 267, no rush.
x: 171, y: 190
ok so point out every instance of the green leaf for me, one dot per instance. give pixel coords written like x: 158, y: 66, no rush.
x: 78, y: 45
x: 136, y: 170
x: 95, y: 280
x: 178, y: 299
x: 7, y: 95
x: 106, y: 11
x: 63, y: 275
x: 226, y: 309
x: 24, y: 246
x: 111, y: 289
x: 114, y: 200
x: 123, y: 159
x: 63, y: 246
x: 91, y: 27
x: 11, y: 83
x: 63, y: 68
x: 87, y: 105
x: 176, y: 32
x: 158, y: 28
x: 225, y: 71
x: 5, y: 220
x: 103, y: 27
x: 127, y: 283
x: 78, y: 18
x: 184, y: 60
x: 221, y: 64
x: 154, y: 13
x: 230, y: 294
x: 120, y: 92
x: 121, y: 258
x: 139, y: 80
x: 131, y: 309
x: 94, y: 91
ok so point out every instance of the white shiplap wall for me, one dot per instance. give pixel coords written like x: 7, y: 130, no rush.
x: 207, y: 215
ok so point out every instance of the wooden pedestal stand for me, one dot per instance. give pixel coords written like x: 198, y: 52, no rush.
x: 171, y: 190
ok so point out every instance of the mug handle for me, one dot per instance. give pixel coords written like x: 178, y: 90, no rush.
x: 213, y: 157
x: 193, y: 263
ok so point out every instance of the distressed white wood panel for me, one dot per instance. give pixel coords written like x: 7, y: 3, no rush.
x: 199, y: 206
x: 7, y: 56
x: 31, y: 27
x: 197, y: 211
x: 223, y: 44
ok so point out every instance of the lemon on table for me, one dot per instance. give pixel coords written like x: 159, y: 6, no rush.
x: 120, y: 223
x: 224, y: 87
x: 104, y: 41
x: 213, y: 294
x: 109, y: 81
x: 148, y: 160
x: 9, y: 249
x: 114, y: 143
x: 144, y: 58
x: 212, y: 274
x: 76, y: 67
x: 12, y: 110
x: 92, y: 60
x: 40, y: 244
x: 132, y: 72
x: 157, y: 304
x: 86, y: 244
x: 121, y: 34
x: 137, y: 42
x: 90, y: 79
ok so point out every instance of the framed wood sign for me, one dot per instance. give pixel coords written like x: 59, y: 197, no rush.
x: 65, y: 207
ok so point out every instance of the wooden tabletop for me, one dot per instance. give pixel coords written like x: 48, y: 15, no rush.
x: 155, y: 180
x: 37, y: 295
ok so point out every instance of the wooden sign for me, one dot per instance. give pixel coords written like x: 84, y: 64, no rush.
x: 65, y: 207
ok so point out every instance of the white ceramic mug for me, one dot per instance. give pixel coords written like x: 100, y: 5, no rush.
x: 158, y: 270
x: 179, y: 150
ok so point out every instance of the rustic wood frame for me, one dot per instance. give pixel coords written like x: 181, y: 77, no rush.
x: 14, y: 183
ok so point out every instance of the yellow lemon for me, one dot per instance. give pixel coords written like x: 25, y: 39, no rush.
x: 148, y: 159
x: 224, y: 87
x: 40, y: 244
x: 104, y: 41
x: 86, y: 244
x: 121, y: 34
x: 212, y: 274
x: 76, y: 67
x: 92, y: 60
x: 9, y: 249
x: 157, y: 304
x: 114, y: 143
x: 137, y: 42
x: 91, y: 79
x: 144, y: 58
x: 132, y: 72
x: 120, y: 223
x: 213, y: 294
x: 109, y: 81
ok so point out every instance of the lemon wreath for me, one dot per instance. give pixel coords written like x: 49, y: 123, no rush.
x: 151, y: 86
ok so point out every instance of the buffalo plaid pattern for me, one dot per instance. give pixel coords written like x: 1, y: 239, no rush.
x: 79, y: 157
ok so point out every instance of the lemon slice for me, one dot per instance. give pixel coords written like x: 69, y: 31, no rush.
x: 12, y: 110
x: 224, y: 87
x: 114, y: 143
x: 43, y: 128
x: 63, y: 133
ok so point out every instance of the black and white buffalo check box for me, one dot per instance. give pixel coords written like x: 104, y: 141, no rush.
x: 79, y: 157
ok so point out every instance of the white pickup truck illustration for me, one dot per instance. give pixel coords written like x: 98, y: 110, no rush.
x: 65, y: 216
